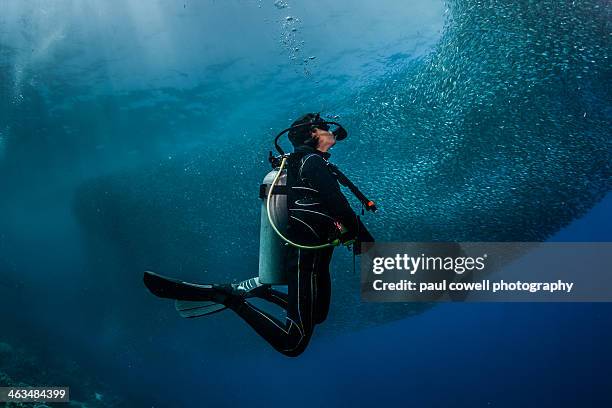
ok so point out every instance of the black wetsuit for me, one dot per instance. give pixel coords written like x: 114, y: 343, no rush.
x: 315, y: 203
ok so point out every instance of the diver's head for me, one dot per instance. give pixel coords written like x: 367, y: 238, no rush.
x: 311, y: 130
x: 323, y: 138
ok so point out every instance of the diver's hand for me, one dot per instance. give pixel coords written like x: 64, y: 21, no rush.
x: 354, y: 238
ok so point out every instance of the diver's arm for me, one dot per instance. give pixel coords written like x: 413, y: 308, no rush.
x: 317, y: 174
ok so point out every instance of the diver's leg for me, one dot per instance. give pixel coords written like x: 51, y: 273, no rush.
x: 254, y: 288
x: 276, y: 296
x: 292, y: 337
x: 301, y: 294
x: 278, y: 334
x: 323, y: 286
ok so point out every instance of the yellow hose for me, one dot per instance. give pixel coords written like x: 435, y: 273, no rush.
x: 336, y: 242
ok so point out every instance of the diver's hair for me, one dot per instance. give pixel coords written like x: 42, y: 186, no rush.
x: 302, y: 135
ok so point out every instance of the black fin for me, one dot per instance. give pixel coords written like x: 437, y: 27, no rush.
x: 190, y: 309
x: 169, y: 288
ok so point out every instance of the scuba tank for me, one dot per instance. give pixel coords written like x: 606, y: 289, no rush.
x: 273, y: 241
x: 272, y: 249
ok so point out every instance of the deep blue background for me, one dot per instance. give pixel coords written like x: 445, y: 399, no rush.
x: 100, y: 99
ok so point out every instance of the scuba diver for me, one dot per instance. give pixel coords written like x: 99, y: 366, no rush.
x: 304, y: 217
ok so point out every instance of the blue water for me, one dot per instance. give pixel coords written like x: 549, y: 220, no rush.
x: 134, y: 135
